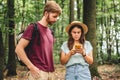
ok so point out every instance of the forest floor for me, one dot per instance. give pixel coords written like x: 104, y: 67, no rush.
x: 107, y: 72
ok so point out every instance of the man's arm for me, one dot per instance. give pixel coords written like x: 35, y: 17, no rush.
x: 22, y: 55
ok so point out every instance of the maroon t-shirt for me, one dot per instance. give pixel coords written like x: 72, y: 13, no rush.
x: 41, y: 55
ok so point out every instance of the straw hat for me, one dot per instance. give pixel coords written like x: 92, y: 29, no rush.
x: 85, y: 28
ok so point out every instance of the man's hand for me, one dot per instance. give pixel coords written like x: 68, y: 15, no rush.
x: 35, y: 72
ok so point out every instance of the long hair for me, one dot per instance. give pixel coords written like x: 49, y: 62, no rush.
x: 71, y: 40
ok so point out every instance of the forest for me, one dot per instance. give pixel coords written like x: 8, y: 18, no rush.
x: 101, y: 16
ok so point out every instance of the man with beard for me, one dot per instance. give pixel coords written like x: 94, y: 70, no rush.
x: 39, y: 58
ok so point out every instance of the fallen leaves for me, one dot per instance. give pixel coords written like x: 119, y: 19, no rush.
x: 107, y: 72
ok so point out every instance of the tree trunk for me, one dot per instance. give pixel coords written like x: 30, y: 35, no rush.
x: 109, y: 48
x: 71, y: 11
x: 89, y: 18
x: 78, y: 9
x: 1, y: 56
x: 11, y: 66
x: 101, y: 40
x: 116, y: 31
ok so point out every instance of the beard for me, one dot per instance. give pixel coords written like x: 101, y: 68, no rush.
x: 50, y: 22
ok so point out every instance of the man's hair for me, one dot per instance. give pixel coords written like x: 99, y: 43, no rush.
x: 52, y: 6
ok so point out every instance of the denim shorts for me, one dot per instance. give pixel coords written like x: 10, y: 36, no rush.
x: 78, y: 72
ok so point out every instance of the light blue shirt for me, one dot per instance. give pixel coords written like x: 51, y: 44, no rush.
x: 77, y: 58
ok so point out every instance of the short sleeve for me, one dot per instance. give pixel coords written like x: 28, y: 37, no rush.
x: 28, y: 32
x: 64, y: 47
x: 88, y: 47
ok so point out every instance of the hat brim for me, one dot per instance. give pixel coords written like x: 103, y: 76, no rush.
x: 85, y: 28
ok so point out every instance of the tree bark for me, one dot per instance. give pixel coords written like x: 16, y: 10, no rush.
x: 78, y: 9
x: 89, y: 18
x: 11, y: 66
x: 1, y: 56
x: 71, y: 11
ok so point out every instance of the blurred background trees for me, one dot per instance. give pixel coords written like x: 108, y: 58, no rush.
x: 101, y: 16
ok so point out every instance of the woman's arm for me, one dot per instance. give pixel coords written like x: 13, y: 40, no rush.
x: 88, y: 58
x: 64, y: 58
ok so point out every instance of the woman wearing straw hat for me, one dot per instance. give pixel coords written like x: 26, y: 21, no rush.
x: 76, y: 53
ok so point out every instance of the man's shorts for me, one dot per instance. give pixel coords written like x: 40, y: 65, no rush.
x: 43, y: 76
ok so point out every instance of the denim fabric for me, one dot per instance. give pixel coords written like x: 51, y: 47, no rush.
x: 78, y: 72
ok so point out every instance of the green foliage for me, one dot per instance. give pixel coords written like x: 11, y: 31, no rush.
x: 114, y: 59
x: 107, y: 27
x: 107, y: 19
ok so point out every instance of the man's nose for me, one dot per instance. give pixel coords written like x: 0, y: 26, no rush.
x: 56, y: 19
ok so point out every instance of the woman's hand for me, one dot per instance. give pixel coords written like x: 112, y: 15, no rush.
x: 79, y: 49
x: 72, y: 52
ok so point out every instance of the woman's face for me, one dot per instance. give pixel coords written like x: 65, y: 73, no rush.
x: 76, y: 33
